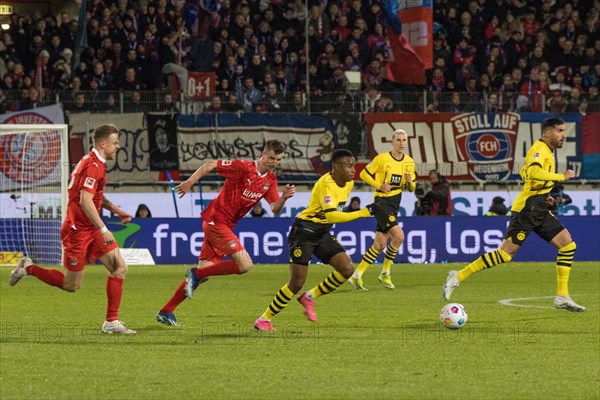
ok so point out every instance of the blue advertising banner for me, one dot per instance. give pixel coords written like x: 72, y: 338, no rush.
x: 178, y: 241
x: 428, y: 239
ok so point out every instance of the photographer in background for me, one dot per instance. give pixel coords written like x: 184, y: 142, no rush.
x: 558, y: 199
x: 423, y: 204
x: 439, y: 196
x: 497, y: 208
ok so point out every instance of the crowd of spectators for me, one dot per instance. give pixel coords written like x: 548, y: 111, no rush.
x: 519, y: 55
x: 489, y: 55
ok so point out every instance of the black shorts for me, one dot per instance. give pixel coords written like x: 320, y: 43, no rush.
x: 307, y: 238
x: 387, y: 218
x: 535, y: 217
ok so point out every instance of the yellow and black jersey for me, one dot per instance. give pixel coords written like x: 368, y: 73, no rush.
x: 537, y: 173
x: 326, y: 196
x: 385, y: 168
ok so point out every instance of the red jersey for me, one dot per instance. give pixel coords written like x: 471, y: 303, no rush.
x: 244, y: 187
x: 90, y: 175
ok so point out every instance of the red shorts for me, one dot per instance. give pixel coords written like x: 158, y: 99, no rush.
x: 219, y: 241
x: 81, y: 245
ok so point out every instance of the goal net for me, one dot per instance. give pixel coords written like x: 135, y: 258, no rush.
x: 34, y: 172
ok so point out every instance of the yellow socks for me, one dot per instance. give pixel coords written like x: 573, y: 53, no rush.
x: 329, y: 284
x: 563, y: 268
x: 281, y: 299
x: 488, y: 260
x: 368, y: 259
x: 390, y: 254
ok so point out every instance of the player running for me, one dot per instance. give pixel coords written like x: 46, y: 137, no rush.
x: 530, y: 213
x: 83, y: 233
x: 246, y: 183
x: 310, y: 234
x: 390, y: 174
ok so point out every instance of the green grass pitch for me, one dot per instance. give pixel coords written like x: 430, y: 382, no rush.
x: 367, y: 345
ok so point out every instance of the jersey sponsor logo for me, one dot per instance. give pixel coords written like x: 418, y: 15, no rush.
x: 250, y: 195
x: 395, y: 180
x: 33, y: 157
x: 89, y: 182
x: 327, y: 200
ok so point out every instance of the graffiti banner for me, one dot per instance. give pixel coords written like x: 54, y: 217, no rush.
x: 132, y: 163
x: 309, y: 140
x: 473, y: 146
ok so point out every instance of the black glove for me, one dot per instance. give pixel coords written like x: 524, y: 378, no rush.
x: 373, y: 208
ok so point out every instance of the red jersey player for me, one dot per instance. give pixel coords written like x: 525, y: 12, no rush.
x: 84, y: 234
x: 246, y: 183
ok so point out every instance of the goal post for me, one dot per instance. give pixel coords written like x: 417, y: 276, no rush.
x: 34, y: 174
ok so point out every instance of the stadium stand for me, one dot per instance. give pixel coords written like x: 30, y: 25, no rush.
x: 494, y: 55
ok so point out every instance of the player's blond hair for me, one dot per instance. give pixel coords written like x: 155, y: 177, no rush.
x: 400, y: 132
x: 104, y: 131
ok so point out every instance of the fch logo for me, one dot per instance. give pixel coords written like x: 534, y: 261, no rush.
x: 487, y: 142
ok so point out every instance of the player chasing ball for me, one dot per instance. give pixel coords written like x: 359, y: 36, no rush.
x: 310, y: 234
x: 84, y: 234
x: 246, y: 183
x: 530, y: 213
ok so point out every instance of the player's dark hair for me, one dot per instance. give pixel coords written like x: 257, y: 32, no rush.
x: 551, y: 122
x: 340, y: 153
x: 104, y: 131
x: 277, y: 146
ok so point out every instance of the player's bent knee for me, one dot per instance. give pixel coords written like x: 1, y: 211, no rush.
x: 120, y: 270
x: 71, y: 287
x: 378, y: 247
x: 245, y: 267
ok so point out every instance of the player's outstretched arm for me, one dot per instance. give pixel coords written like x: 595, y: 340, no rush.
x: 288, y: 191
x: 537, y: 173
x: 112, y: 207
x: 335, y: 217
x: 186, y: 185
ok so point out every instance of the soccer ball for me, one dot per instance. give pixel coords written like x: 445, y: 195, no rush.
x: 453, y: 316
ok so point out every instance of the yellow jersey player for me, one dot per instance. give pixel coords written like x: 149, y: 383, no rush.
x: 310, y: 234
x: 530, y: 213
x: 390, y: 174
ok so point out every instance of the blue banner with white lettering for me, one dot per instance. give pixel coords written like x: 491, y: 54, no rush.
x: 428, y: 239
x: 433, y: 239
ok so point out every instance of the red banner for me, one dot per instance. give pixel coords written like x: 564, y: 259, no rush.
x: 472, y: 146
x: 417, y: 27
x: 201, y: 86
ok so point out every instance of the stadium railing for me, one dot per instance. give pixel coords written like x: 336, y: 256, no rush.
x: 120, y: 101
